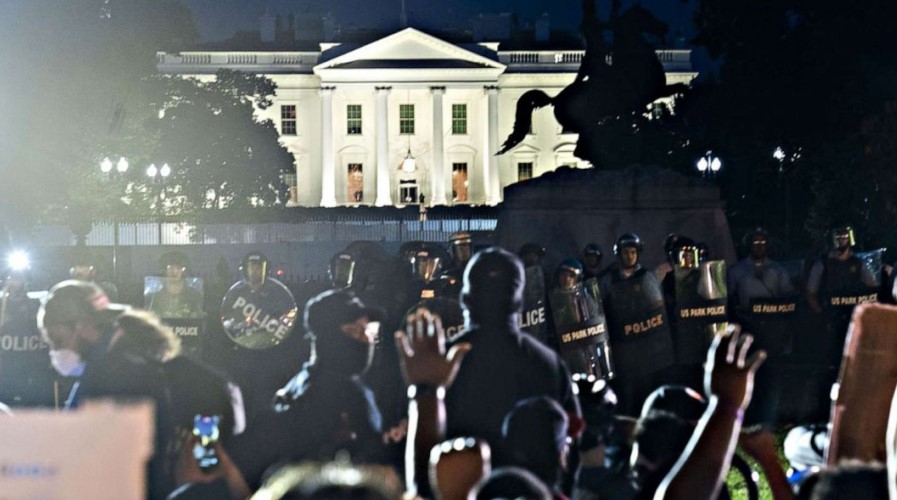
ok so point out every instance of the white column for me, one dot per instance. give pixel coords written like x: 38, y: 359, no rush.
x: 383, y: 189
x: 328, y: 169
x: 491, y: 181
x: 437, y: 179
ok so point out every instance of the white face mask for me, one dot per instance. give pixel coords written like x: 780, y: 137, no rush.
x: 67, y: 362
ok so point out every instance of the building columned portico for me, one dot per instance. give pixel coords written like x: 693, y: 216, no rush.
x: 409, y: 118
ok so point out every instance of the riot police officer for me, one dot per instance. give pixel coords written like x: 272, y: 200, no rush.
x: 838, y: 282
x: 176, y: 299
x: 460, y: 250
x: 579, y: 322
x: 639, y: 329
x: 591, y: 260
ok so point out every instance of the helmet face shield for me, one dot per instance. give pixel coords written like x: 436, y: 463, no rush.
x: 843, y: 237
x: 255, y: 268
x: 342, y: 271
x: 688, y: 257
x: 425, y: 266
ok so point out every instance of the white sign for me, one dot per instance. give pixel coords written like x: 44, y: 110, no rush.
x: 99, y: 452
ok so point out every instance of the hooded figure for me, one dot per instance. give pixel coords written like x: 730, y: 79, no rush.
x: 504, y: 365
x: 326, y: 407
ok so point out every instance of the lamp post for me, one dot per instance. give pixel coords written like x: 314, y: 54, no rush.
x: 708, y: 165
x: 779, y: 155
x: 121, y: 167
x: 159, y: 175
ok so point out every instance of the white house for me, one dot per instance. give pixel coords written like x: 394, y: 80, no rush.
x: 352, y: 114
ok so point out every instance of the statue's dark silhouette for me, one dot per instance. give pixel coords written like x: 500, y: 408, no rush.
x: 611, y: 81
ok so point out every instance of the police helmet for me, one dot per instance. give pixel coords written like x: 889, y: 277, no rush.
x: 593, y: 249
x: 460, y: 238
x: 254, y: 257
x: 174, y: 258
x: 842, y: 231
x: 571, y: 265
x: 628, y: 240
x: 748, y: 240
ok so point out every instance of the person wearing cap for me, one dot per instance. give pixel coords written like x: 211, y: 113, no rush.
x: 504, y: 366
x: 326, y: 407
x: 641, y: 344
x: 77, y: 321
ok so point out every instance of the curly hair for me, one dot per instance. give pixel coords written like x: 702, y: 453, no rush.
x: 143, y: 334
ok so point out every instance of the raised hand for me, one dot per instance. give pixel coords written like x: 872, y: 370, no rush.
x: 730, y: 374
x: 422, y: 351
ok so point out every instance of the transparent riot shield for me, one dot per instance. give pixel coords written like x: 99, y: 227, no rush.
x: 581, y: 329
x: 258, y: 317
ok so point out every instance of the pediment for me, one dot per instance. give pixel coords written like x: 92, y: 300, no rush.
x: 408, y: 49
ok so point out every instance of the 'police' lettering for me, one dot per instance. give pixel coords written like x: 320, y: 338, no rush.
x: 643, y: 326
x: 22, y: 344
x: 532, y: 317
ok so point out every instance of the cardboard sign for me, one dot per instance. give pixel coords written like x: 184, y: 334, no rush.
x: 99, y: 451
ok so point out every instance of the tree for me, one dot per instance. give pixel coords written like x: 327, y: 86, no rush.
x: 806, y: 77
x: 220, y: 156
x: 71, y: 71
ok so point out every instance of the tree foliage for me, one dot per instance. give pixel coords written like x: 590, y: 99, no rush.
x: 812, y: 78
x: 80, y: 84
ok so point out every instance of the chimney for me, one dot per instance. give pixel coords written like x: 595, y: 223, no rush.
x: 267, y: 27
x: 543, y: 28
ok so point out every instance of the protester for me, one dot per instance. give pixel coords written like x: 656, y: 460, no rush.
x: 307, y: 420
x: 504, y: 366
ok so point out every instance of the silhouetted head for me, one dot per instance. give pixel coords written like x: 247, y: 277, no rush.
x: 493, y: 286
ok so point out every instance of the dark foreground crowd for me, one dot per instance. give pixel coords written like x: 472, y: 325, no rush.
x: 611, y: 382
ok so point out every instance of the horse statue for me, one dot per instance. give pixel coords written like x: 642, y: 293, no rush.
x: 610, y: 83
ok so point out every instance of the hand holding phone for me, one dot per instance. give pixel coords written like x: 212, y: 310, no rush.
x: 205, y: 430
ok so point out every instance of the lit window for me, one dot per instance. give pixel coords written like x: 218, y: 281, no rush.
x: 406, y: 118
x: 459, y: 119
x: 355, y: 183
x: 353, y: 119
x: 288, y: 119
x: 524, y: 171
x: 459, y: 182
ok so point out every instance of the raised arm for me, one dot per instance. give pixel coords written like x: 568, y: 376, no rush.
x: 428, y: 371
x: 700, y: 471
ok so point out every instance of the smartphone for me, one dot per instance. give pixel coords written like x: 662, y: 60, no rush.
x: 205, y: 429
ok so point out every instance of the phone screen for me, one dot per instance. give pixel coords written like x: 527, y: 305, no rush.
x: 205, y: 429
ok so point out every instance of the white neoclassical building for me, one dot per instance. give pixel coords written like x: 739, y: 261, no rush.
x: 352, y: 115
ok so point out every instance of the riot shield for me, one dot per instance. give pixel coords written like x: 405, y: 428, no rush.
x: 700, y: 305
x: 639, y: 329
x: 179, y: 303
x: 448, y: 310
x: 260, y: 317
x: 854, y: 286
x: 581, y: 329
x: 533, y: 320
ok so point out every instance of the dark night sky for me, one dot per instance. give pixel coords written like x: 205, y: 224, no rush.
x: 219, y: 19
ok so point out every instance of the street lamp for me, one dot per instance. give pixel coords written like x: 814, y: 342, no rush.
x: 160, y: 173
x: 121, y: 166
x: 709, y: 165
x: 779, y: 155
